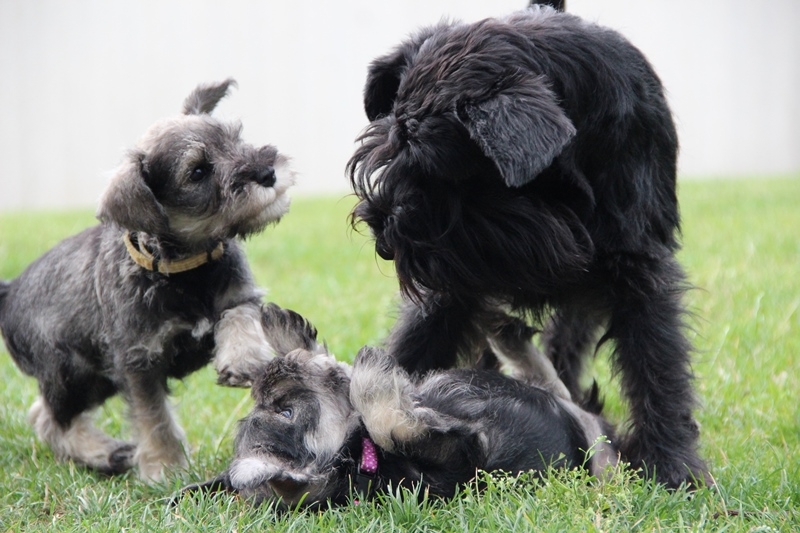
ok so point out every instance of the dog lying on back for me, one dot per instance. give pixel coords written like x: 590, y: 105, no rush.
x: 320, y: 430
x: 155, y: 291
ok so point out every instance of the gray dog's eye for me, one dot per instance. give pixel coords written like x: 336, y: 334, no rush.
x: 287, y: 412
x: 200, y: 172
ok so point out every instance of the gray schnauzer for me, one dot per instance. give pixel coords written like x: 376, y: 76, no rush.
x: 155, y: 291
x: 321, y: 433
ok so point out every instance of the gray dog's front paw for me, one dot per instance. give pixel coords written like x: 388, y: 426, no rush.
x: 239, y: 368
x: 242, y: 347
x: 234, y: 378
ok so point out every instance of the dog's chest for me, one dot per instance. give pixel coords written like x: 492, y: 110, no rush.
x: 170, y: 319
x: 192, y: 296
x: 189, y: 348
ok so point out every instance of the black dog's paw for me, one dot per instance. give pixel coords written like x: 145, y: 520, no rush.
x: 673, y: 470
x: 673, y: 476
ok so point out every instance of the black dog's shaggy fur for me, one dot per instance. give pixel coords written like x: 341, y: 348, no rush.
x: 529, y: 163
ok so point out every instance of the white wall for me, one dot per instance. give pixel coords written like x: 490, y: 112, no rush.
x: 81, y: 80
x: 732, y: 71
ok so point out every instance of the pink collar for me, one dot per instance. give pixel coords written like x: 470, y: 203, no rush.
x: 365, y: 478
x: 369, y: 456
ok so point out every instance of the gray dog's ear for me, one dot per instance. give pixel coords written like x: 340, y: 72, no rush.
x: 205, y: 97
x: 521, y: 128
x: 130, y: 203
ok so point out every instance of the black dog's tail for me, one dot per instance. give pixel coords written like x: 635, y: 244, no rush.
x: 560, y: 5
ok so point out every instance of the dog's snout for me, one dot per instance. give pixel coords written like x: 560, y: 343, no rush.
x: 384, y: 250
x: 265, y: 177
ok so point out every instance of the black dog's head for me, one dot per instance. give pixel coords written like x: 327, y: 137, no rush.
x: 289, y: 448
x: 460, y: 126
x: 191, y: 179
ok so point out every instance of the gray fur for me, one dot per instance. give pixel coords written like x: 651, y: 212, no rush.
x: 87, y: 322
x: 205, y: 97
x: 302, y: 442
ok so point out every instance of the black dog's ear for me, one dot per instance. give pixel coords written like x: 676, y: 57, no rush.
x: 130, y: 203
x: 383, y: 77
x: 205, y: 97
x: 559, y: 5
x: 521, y: 128
x: 383, y: 80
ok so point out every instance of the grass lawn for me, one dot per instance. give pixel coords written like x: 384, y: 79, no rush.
x: 742, y: 251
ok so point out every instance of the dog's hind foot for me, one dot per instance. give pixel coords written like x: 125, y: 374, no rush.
x: 81, y: 442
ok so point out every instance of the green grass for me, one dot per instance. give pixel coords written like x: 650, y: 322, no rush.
x: 742, y: 251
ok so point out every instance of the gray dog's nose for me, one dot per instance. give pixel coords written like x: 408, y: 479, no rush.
x: 265, y: 177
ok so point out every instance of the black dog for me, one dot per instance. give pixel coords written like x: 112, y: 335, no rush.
x: 318, y: 435
x: 528, y: 164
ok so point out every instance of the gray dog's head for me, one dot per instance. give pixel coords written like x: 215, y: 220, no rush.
x: 192, y: 180
x: 289, y: 446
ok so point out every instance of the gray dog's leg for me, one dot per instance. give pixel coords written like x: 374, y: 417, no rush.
x: 510, y: 340
x: 162, y: 442
x: 81, y: 441
x: 384, y: 395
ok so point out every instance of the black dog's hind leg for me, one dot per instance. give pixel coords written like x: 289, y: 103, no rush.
x: 652, y: 356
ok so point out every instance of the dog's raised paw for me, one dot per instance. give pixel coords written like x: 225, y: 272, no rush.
x: 243, y: 349
x: 230, y: 378
x: 240, y: 371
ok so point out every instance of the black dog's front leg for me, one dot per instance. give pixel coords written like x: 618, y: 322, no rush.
x: 653, y: 357
x: 434, y: 335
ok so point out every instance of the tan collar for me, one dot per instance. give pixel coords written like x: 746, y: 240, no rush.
x: 142, y: 257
